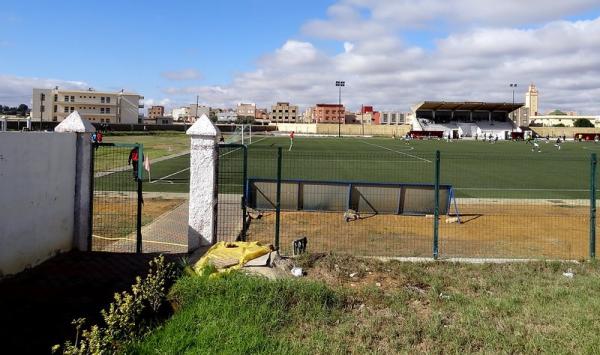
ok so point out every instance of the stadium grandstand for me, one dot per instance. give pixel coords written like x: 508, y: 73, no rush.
x: 465, y: 120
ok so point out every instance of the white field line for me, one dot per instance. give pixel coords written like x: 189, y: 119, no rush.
x: 143, y: 241
x: 511, y: 189
x: 186, y: 169
x: 396, y: 151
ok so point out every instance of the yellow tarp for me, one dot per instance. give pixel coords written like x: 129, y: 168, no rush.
x: 231, y: 255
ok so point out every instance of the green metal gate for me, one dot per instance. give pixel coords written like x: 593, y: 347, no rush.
x: 232, y: 180
x: 116, y: 195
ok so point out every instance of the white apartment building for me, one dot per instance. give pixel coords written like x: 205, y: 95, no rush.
x: 96, y: 106
x: 392, y: 118
x: 180, y: 113
x: 227, y: 116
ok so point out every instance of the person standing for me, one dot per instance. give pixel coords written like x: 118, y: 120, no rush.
x: 291, y: 140
x: 134, y: 159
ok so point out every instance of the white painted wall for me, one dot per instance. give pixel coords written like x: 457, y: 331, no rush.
x: 37, y: 196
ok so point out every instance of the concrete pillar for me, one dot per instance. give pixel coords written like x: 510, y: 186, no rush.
x: 202, y: 221
x: 83, y: 178
x: 3, y: 124
x: 490, y: 117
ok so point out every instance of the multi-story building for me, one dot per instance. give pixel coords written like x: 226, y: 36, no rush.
x: 246, y: 110
x: 156, y: 111
x: 307, y: 115
x: 521, y: 117
x: 96, y: 106
x: 180, y: 113
x: 226, y: 117
x: 329, y: 113
x: 196, y: 111
x: 190, y: 113
x: 393, y: 118
x: 531, y: 100
x: 283, y: 112
x: 366, y: 115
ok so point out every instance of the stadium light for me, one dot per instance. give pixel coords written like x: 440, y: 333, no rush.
x: 339, y: 84
x: 513, y: 86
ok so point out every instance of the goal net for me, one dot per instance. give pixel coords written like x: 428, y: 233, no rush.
x: 241, y: 135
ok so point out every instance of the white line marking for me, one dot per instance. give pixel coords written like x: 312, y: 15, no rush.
x: 143, y: 241
x: 180, y: 171
x: 396, y: 151
x: 168, y: 176
x: 511, y: 189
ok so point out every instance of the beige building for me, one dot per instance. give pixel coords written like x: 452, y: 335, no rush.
x: 531, y: 101
x: 246, y: 110
x: 156, y: 111
x: 95, y: 106
x: 393, y: 118
x: 283, y: 112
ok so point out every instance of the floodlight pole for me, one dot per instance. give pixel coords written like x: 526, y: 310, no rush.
x: 339, y: 84
x: 513, y: 86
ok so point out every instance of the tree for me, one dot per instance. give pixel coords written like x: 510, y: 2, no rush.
x: 559, y: 125
x: 244, y: 120
x: 213, y: 116
x: 583, y: 122
x: 22, y: 110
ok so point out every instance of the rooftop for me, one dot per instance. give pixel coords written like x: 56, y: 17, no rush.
x: 467, y: 106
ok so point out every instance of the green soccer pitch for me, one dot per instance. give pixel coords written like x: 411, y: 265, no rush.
x: 474, y: 168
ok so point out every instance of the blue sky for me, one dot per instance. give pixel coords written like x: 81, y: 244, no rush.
x: 392, y: 53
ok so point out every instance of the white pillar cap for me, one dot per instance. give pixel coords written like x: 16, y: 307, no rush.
x: 203, y: 127
x: 74, y: 123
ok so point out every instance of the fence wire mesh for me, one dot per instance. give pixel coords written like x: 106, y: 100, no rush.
x: 517, y: 208
x: 491, y: 206
x: 115, y: 200
x: 231, y: 213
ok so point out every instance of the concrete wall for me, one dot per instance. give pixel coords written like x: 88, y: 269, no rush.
x: 37, y: 197
x: 346, y: 129
x: 560, y: 131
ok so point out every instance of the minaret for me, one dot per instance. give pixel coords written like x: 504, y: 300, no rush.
x: 531, y: 100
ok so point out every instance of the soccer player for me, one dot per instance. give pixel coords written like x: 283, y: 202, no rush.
x: 291, y: 140
x: 536, y: 146
x: 134, y: 158
x: 557, y: 144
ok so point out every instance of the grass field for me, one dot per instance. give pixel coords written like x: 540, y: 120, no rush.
x: 346, y: 305
x: 475, y: 169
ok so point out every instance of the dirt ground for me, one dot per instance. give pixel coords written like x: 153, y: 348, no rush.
x: 525, y: 230
x: 115, y: 217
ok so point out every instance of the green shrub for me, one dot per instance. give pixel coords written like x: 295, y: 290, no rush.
x: 129, y: 316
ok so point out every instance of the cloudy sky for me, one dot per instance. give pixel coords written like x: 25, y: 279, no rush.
x: 391, y: 53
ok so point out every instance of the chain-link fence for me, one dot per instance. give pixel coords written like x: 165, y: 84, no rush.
x: 116, y: 211
x: 384, y: 203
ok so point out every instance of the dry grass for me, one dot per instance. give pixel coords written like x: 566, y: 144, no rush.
x: 501, y: 231
x: 115, y: 217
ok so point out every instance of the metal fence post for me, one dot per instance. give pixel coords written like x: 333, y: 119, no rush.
x: 593, y: 162
x: 436, y: 208
x: 278, y: 201
x: 140, y: 199
x: 244, y: 192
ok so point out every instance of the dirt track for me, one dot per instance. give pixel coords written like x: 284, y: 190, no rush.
x: 487, y: 231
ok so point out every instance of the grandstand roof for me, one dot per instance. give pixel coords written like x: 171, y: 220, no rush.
x: 467, y: 106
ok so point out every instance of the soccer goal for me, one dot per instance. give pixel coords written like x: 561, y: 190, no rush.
x: 241, y: 135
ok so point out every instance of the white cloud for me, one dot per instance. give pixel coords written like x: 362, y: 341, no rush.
x: 483, y: 52
x: 185, y: 74
x: 15, y: 90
